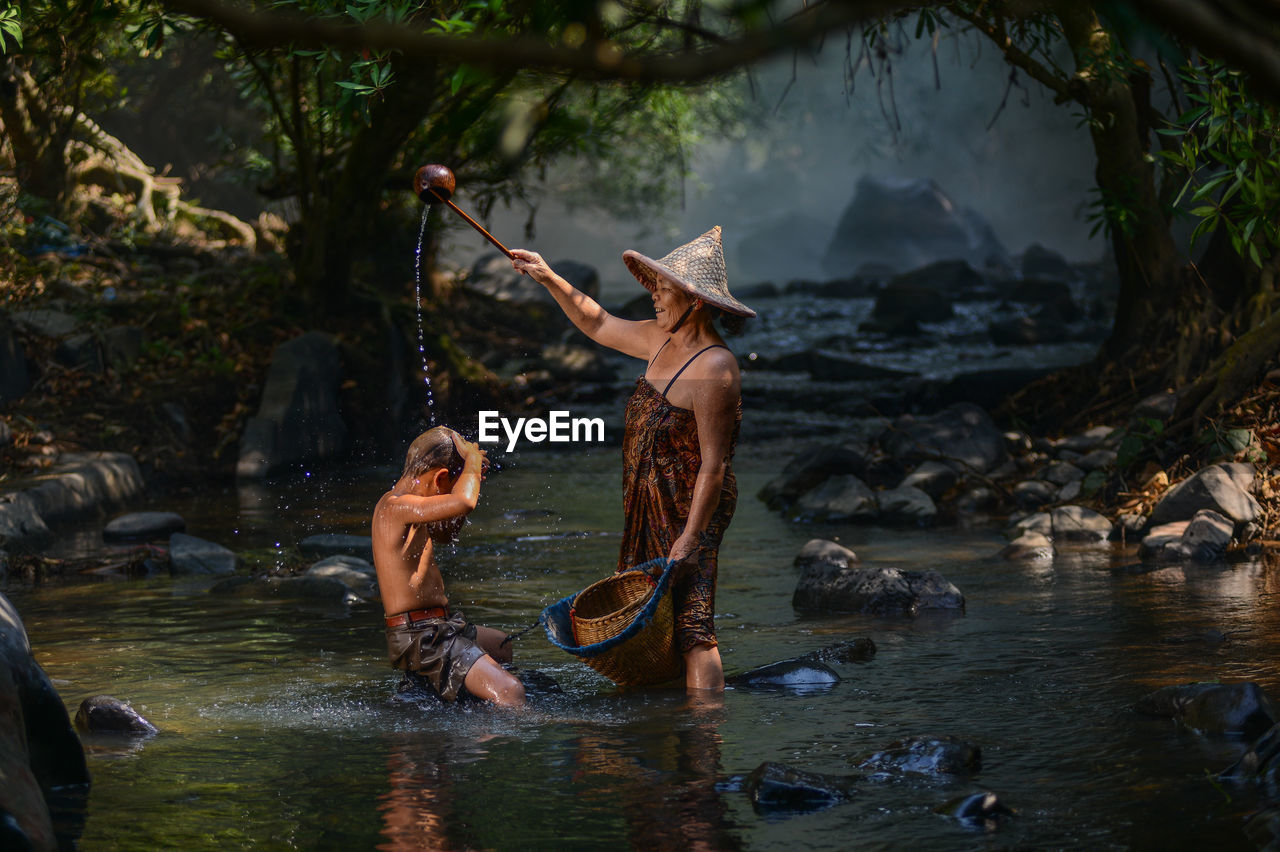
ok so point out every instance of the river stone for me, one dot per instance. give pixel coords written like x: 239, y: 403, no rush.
x: 1078, y: 525
x: 298, y: 418
x: 873, y: 591
x: 774, y: 786
x: 337, y: 544
x: 1202, y: 539
x: 1038, y: 261
x: 840, y: 498
x: 905, y: 224
x: 1101, y: 459
x: 810, y: 468
x: 934, y: 478
x: 1214, y: 708
x: 962, y: 432
x: 143, y: 526
x: 1263, y: 828
x: 15, y: 375
x: 926, y: 755
x: 1070, y: 491
x: 907, y: 505
x: 191, y: 555
x: 1086, y: 441
x: 819, y: 551
x: 41, y: 758
x: 1216, y: 487
x: 1261, y: 762
x: 1060, y: 473
x: 979, y: 810
x: 857, y: 650
x: 82, y: 483
x: 352, y: 571
x: 786, y: 673
x: 105, y: 714
x: 21, y: 526
x: 1034, y: 493
x: 46, y: 322
x: 1028, y: 547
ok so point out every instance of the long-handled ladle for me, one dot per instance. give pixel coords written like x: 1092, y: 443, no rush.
x: 434, y: 184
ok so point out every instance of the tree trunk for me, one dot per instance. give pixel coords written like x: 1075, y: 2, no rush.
x: 1144, y: 250
x: 38, y: 139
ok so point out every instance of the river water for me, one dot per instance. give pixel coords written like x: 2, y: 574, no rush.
x: 281, y: 728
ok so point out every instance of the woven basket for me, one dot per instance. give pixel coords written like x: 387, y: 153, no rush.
x: 622, y: 626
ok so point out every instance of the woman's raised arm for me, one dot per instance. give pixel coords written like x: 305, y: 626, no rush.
x: 634, y: 338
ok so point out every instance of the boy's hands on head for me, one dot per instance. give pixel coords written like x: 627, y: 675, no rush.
x: 470, y: 450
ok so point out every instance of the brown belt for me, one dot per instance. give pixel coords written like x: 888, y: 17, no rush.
x: 403, y: 618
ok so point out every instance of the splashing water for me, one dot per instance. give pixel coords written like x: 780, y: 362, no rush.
x: 417, y: 303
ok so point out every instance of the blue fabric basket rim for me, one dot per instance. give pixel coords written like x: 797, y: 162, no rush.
x: 558, y: 613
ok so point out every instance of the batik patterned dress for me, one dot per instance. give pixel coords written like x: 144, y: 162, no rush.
x: 661, y: 460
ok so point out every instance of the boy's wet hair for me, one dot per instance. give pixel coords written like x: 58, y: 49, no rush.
x: 433, y: 449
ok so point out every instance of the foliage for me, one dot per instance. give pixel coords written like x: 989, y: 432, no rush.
x: 1228, y: 150
x: 10, y: 27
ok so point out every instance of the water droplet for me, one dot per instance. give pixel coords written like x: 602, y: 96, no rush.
x: 417, y: 302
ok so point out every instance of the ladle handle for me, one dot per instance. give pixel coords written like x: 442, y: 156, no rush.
x: 473, y: 223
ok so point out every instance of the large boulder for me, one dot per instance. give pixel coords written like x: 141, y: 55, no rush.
x: 962, y: 433
x: 1214, y: 708
x: 810, y: 468
x: 1261, y: 762
x: 907, y: 224
x: 298, y: 418
x: 880, y: 590
x: 1204, y: 538
x: 76, y: 485
x: 839, y: 499
x: 1223, y: 488
x: 39, y: 751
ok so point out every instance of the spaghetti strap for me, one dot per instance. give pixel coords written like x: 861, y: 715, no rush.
x: 659, y: 352
x: 687, y: 363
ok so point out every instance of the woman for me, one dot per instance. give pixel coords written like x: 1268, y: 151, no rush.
x: 681, y: 426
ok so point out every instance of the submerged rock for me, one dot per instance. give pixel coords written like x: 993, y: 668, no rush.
x: 191, y: 555
x: 143, y: 526
x: 853, y: 651
x: 1214, y: 708
x: 1261, y: 762
x: 874, y: 590
x: 840, y: 498
x: 352, y: 571
x: 977, y: 810
x: 926, y: 755
x: 773, y: 786
x: 105, y: 714
x: 788, y: 673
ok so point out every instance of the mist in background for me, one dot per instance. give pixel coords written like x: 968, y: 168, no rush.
x: 779, y: 191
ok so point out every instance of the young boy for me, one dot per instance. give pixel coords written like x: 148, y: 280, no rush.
x: 440, y: 485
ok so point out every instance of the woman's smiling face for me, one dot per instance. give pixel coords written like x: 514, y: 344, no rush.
x: 669, y: 304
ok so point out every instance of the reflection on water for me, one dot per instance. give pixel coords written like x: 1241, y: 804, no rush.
x: 280, y: 725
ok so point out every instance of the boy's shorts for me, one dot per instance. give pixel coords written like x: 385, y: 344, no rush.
x: 442, y: 650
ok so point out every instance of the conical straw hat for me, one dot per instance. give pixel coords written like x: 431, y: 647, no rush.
x: 696, y: 267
